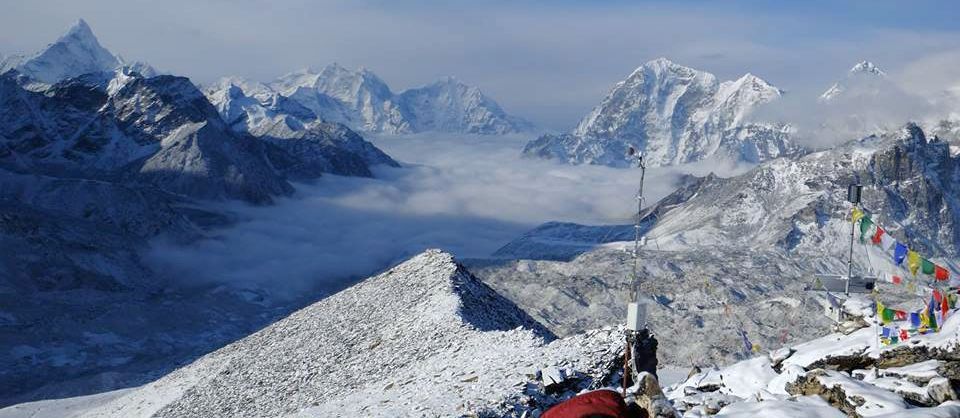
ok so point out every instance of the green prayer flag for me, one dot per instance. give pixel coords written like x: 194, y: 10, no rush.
x: 865, y: 225
x: 927, y: 266
x: 888, y: 315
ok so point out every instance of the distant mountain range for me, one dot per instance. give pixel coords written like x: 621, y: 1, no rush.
x: 677, y: 115
x: 363, y: 101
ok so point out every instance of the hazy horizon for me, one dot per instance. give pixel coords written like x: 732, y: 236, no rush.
x: 547, y: 62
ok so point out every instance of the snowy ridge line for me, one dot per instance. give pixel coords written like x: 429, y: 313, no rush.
x: 453, y: 346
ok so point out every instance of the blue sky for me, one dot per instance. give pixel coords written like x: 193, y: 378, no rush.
x: 547, y: 61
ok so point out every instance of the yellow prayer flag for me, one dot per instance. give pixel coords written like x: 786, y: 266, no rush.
x: 913, y: 261
x: 857, y: 214
x: 879, y: 309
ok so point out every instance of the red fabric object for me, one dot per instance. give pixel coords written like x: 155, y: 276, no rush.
x: 897, y: 280
x: 877, y: 236
x: 903, y: 335
x: 599, y: 403
x: 944, y: 307
x: 936, y: 295
x: 899, y: 315
x: 940, y: 273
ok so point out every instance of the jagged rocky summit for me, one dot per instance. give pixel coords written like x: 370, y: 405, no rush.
x: 424, y: 338
x: 675, y: 115
x: 363, y: 101
x: 76, y: 53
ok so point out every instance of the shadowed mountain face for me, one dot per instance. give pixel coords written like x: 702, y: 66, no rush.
x: 99, y: 158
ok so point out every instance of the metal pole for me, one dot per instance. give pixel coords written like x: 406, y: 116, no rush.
x: 636, y: 236
x: 853, y: 225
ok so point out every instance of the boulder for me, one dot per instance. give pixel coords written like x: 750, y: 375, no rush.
x: 940, y: 390
x: 650, y: 397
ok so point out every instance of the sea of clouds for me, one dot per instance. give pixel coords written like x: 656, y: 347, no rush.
x: 468, y: 195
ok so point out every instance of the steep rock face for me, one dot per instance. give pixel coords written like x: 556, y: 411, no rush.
x: 674, y: 114
x: 146, y: 130
x: 200, y: 160
x: 409, y: 333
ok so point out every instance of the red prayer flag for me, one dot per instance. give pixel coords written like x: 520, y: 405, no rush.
x: 903, y: 335
x: 936, y: 295
x: 944, y: 307
x: 941, y: 274
x: 899, y: 315
x: 897, y: 279
x: 877, y: 236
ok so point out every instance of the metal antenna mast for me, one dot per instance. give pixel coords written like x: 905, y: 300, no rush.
x: 636, y: 315
x: 635, y: 290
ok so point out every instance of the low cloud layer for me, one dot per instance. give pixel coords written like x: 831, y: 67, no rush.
x: 467, y: 195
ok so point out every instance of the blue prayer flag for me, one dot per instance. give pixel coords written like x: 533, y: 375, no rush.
x: 915, y: 319
x: 899, y: 253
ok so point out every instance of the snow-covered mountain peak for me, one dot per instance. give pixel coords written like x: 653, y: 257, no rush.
x: 75, y: 53
x: 667, y: 72
x: 864, y: 78
x: 867, y: 67
x: 362, y: 100
x: 80, y: 32
x: 347, y: 85
x: 246, y: 87
x: 677, y: 114
x: 663, y: 65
